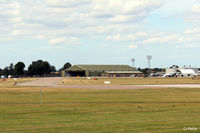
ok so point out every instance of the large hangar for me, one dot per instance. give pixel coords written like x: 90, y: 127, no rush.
x: 100, y: 70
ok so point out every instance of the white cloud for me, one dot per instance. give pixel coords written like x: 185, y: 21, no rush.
x: 19, y: 32
x: 64, y: 21
x: 132, y: 46
x: 190, y: 45
x: 65, y: 3
x: 57, y: 40
x: 72, y: 41
x: 163, y: 39
x: 104, y: 45
x: 193, y: 30
x: 115, y: 37
x: 16, y: 32
x: 40, y: 37
x: 65, y: 40
x: 196, y: 8
x: 127, y: 37
x: 178, y: 46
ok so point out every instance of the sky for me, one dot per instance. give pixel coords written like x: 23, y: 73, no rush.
x: 100, y: 32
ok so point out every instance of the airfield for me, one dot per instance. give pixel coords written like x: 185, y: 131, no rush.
x: 82, y: 105
x: 115, y: 83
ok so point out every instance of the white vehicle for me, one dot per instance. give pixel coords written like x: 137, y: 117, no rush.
x: 169, y: 75
x: 133, y: 76
x: 154, y: 75
x: 10, y: 76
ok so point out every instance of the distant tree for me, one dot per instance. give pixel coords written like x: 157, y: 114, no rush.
x: 19, y: 69
x: 0, y: 71
x: 66, y: 65
x: 25, y: 72
x: 5, y: 71
x: 39, y: 68
x: 157, y: 69
x: 11, y: 69
x: 52, y: 69
x: 145, y: 71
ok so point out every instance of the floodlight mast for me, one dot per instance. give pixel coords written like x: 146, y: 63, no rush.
x: 149, y: 57
x: 133, y: 61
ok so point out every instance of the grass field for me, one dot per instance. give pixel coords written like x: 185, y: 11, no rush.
x: 132, y: 81
x: 9, y: 83
x: 164, y: 110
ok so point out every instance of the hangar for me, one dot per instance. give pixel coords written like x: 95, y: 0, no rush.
x: 100, y: 71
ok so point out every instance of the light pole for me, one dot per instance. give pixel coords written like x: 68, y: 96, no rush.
x: 149, y: 58
x: 133, y: 61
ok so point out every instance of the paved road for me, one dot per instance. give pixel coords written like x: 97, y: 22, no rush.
x: 54, y: 82
x: 48, y: 82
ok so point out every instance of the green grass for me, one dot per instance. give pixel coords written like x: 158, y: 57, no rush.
x: 166, y: 110
x: 98, y: 118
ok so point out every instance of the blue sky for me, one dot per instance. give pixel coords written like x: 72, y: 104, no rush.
x: 100, y: 32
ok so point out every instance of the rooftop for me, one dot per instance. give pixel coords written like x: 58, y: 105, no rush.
x: 101, y: 67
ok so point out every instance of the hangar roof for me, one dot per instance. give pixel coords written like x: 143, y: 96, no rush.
x: 101, y: 68
x: 125, y: 72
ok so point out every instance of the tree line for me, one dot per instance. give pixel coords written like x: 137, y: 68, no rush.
x: 37, y: 68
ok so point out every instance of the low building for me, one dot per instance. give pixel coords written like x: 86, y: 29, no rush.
x: 100, y: 71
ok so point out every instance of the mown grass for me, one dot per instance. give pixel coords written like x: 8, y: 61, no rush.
x: 101, y: 118
x: 166, y: 110
x: 132, y: 81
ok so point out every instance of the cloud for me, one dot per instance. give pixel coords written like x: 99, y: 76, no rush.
x: 65, y: 21
x: 19, y: 32
x: 120, y: 11
x: 132, y: 46
x: 66, y: 3
x: 196, y: 8
x: 115, y: 37
x: 127, y: 37
x: 57, y: 40
x: 65, y: 40
x: 40, y: 37
x: 191, y: 46
x: 163, y: 39
x: 104, y: 45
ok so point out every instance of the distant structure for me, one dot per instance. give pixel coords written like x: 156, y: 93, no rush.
x: 184, y: 71
x: 133, y: 61
x: 101, y: 71
x: 149, y: 58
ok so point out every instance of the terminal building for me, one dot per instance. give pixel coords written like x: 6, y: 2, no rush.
x: 101, y: 71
